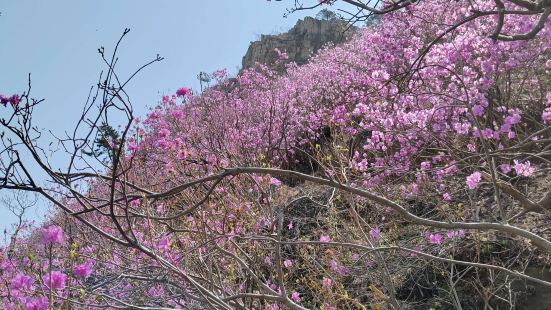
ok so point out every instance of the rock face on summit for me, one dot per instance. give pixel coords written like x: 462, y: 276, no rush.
x: 304, y: 39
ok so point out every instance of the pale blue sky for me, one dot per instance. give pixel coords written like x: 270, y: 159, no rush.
x: 56, y: 41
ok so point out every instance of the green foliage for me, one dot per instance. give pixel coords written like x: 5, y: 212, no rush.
x: 326, y: 14
x: 106, y: 142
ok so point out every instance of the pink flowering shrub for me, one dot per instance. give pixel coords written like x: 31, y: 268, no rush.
x: 391, y: 138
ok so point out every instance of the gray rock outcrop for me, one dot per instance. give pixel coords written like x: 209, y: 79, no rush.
x: 300, y: 42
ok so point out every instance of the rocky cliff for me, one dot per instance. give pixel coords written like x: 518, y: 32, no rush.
x: 300, y: 42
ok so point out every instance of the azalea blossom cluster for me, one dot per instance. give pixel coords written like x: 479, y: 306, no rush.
x: 447, y: 99
x: 30, y: 285
x: 13, y: 100
x: 426, y: 128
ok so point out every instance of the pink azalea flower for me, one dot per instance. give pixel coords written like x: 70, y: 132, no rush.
x: 327, y: 283
x: 21, y: 281
x: 295, y: 297
x: 83, y: 270
x: 341, y: 270
x: 326, y: 306
x: 181, y: 155
x: 324, y: 238
x: 478, y: 110
x: 506, y: 168
x: 471, y: 147
x: 275, y: 182
x: 52, y: 234
x: 334, y: 265
x: 135, y: 202
x: 414, y: 188
x: 224, y: 163
x: 164, y: 243
x: 55, y: 280
x: 38, y: 303
x: 446, y: 197
x: 375, y: 233
x: 14, y: 100
x: 177, y: 113
x: 362, y: 165
x: 523, y: 169
x: 162, y: 143
x: 435, y: 238
x: 425, y: 165
x: 156, y: 291
x: 132, y: 146
x: 546, y: 115
x: 288, y: 263
x: 163, y: 133
x: 183, y: 92
x: 4, y: 100
x: 473, y: 180
x: 456, y: 234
